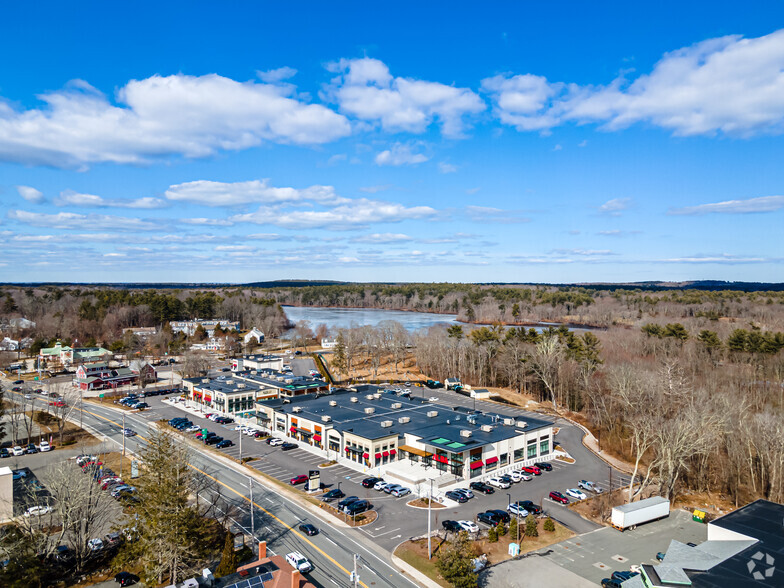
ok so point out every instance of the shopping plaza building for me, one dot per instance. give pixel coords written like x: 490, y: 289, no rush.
x: 374, y: 428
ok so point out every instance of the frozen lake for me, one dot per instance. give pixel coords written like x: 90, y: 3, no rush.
x: 343, y: 318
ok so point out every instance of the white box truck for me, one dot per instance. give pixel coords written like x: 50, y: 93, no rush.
x: 628, y: 516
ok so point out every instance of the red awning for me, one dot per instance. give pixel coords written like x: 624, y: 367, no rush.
x: 293, y: 429
x: 317, y: 437
x: 476, y: 464
x: 365, y: 455
x: 348, y: 449
x: 378, y: 456
x: 392, y: 452
x: 386, y: 454
x: 491, y: 460
x: 441, y: 458
x: 208, y: 399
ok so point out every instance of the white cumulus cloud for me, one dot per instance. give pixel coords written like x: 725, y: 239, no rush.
x: 70, y: 220
x: 209, y: 193
x: 750, y: 205
x: 30, y: 194
x: 729, y: 85
x: 367, y: 90
x: 400, y: 154
x: 191, y: 116
x: 71, y: 198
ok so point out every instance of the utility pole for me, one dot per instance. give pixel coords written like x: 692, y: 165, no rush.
x: 123, y: 432
x: 240, y: 432
x: 354, y: 574
x: 252, y: 511
x: 429, y: 502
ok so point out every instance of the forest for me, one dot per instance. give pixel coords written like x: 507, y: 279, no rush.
x: 686, y: 385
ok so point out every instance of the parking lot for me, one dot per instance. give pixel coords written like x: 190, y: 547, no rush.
x: 397, y: 521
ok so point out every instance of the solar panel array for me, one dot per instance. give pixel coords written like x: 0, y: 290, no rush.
x: 254, y: 582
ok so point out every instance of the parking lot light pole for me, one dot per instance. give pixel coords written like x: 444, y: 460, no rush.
x: 508, y: 504
x: 429, y: 502
x: 252, y: 512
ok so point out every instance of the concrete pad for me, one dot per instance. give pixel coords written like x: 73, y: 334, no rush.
x: 533, y: 570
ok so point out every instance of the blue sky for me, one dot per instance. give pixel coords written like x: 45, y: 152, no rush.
x: 520, y: 142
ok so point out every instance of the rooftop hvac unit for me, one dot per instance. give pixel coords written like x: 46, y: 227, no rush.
x: 205, y: 380
x: 297, y: 409
x: 522, y: 424
x: 487, y: 428
x: 377, y: 395
x: 509, y: 422
x: 404, y: 420
x: 386, y: 424
x: 432, y: 413
x: 333, y: 402
x: 396, y: 405
x: 326, y: 418
x: 353, y: 399
x: 240, y: 385
x: 370, y: 397
x: 253, y: 372
x: 370, y: 410
x: 465, y: 433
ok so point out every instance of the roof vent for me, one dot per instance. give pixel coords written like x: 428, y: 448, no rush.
x: 386, y: 424
x: 253, y: 372
x: 487, y: 428
x: 397, y: 405
x: 404, y: 420
x: 354, y: 399
x: 432, y: 413
x: 370, y: 410
x: 465, y: 433
x: 205, y: 380
x: 377, y: 395
x: 509, y: 422
x: 240, y: 385
x: 522, y: 424
x: 297, y: 409
x: 333, y: 403
x: 326, y: 418
x: 370, y: 397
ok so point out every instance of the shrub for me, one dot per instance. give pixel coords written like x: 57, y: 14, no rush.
x: 513, y: 528
x: 549, y: 525
x: 530, y: 526
x: 492, y: 535
x: 501, y: 528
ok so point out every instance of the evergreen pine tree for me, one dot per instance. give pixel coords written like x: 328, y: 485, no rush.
x: 500, y: 529
x: 228, y: 563
x: 454, y: 562
x: 513, y: 528
x: 549, y: 525
x: 492, y: 534
x: 530, y: 526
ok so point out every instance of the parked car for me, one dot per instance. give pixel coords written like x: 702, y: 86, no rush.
x: 333, y: 495
x: 274, y: 441
x: 37, y: 511
x: 469, y: 526
x: 622, y: 576
x: 591, y: 486
x: 17, y: 450
x: 457, y: 496
x: 288, y: 446
x: 95, y: 544
x: 370, y: 482
x: 532, y: 470
x: 4, y: 452
x: 558, y: 497
x: 31, y: 448
x: 126, y: 579
x: 298, y: 561
x: 213, y: 440
x: 498, y: 482
x: 453, y: 526
x: 576, y: 493
x: 400, y: 491
x: 517, y: 510
x: 357, y: 507
x: 488, y: 518
x: 192, y: 428
x: 224, y: 444
x: 502, y: 514
x: 543, y: 465
x: 389, y: 487
x: 44, y: 446
x: 259, y: 434
x: 346, y: 501
x: 530, y: 506
x: 465, y: 492
x: 660, y: 556
x: 141, y: 406
x: 380, y: 486
x: 308, y: 529
x: 300, y: 479
x: 610, y: 583
x: 481, y: 487
x: 507, y: 478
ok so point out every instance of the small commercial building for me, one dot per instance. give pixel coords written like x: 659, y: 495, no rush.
x: 189, y: 327
x: 373, y: 428
x: 253, y: 337
x: 257, y: 362
x: 62, y: 356
x: 100, y: 376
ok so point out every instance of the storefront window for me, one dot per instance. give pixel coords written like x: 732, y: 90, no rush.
x: 504, y: 459
x: 544, y: 447
x: 519, y: 455
x: 491, y: 466
x: 532, y: 450
x: 475, y: 473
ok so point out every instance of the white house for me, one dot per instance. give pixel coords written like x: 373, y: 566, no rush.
x: 8, y: 344
x: 329, y: 343
x: 254, y: 333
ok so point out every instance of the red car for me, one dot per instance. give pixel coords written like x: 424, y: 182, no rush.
x: 558, y: 497
x: 532, y: 470
x: 58, y: 403
x: 301, y: 479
